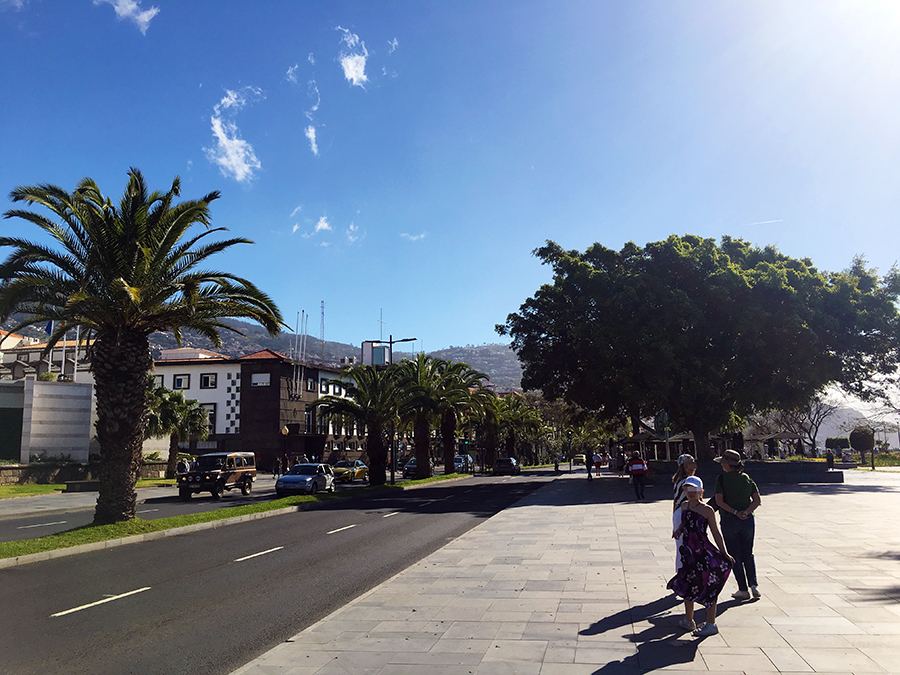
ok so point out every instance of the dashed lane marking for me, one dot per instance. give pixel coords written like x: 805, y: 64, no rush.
x: 28, y: 527
x: 256, y: 555
x: 341, y: 529
x: 100, y: 602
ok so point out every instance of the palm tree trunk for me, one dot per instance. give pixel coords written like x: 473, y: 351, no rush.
x: 120, y: 365
x: 422, y: 442
x: 173, y: 455
x: 377, y: 454
x: 448, y: 437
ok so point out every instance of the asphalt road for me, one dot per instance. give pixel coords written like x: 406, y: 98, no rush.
x: 208, y: 602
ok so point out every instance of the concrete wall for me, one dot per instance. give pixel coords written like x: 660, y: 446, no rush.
x: 56, y: 420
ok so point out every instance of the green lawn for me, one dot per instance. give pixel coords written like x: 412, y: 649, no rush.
x: 29, y: 489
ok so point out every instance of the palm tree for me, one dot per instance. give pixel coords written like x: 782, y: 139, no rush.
x: 517, y: 419
x: 122, y: 272
x: 372, y: 399
x: 420, y: 382
x: 179, y: 418
x: 460, y: 394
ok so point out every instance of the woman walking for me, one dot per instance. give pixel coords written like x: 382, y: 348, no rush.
x: 686, y: 467
x: 704, y: 567
x: 737, y: 498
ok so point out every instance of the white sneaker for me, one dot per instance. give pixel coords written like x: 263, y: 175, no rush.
x: 741, y: 595
x: 706, y: 629
x: 687, y: 624
x: 754, y: 591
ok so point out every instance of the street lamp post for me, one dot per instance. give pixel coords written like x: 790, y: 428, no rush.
x: 390, y: 343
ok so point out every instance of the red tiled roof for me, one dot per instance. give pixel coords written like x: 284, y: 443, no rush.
x: 266, y: 354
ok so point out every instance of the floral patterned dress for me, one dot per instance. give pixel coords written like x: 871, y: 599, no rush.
x: 704, y: 569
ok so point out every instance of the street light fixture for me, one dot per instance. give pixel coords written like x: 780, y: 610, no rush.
x: 390, y: 343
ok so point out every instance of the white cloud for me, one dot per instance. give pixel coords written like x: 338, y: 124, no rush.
x: 295, y: 228
x: 296, y: 211
x: 291, y: 74
x: 15, y: 4
x: 353, y: 61
x: 311, y: 135
x: 311, y: 58
x: 322, y: 225
x: 352, y: 233
x: 313, y: 92
x: 131, y: 10
x: 233, y: 154
x: 412, y: 237
x: 392, y: 46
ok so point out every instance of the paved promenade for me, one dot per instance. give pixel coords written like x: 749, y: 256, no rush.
x: 571, y: 581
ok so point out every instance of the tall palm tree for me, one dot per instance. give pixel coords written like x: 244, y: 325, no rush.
x: 517, y: 419
x: 122, y: 272
x: 179, y: 418
x: 420, y: 382
x: 372, y: 399
x: 460, y: 394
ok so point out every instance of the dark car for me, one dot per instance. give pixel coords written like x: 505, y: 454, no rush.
x: 506, y: 465
x: 216, y: 472
x: 462, y: 463
x: 409, y: 469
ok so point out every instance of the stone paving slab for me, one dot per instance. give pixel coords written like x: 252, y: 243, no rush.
x: 571, y: 581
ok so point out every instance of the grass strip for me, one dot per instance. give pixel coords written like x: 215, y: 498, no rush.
x: 90, y: 534
x: 29, y: 489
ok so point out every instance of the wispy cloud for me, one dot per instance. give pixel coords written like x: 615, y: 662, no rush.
x: 321, y: 226
x: 131, y: 10
x: 296, y: 211
x: 392, y: 46
x: 352, y: 233
x: 412, y: 237
x: 311, y: 135
x: 311, y: 58
x: 312, y: 90
x: 14, y: 4
x: 353, y: 61
x: 291, y: 74
x: 765, y: 222
x: 233, y: 154
x: 295, y: 227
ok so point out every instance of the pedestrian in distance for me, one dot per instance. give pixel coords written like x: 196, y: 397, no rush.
x: 737, y: 498
x: 704, y: 566
x: 620, y: 463
x: 276, y: 468
x: 637, y: 469
x: 587, y: 466
x: 598, y: 462
x: 687, y: 466
x: 182, y: 466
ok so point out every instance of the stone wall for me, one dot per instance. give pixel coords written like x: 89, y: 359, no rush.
x: 18, y: 474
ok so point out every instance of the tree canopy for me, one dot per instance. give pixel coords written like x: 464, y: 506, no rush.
x: 701, y: 330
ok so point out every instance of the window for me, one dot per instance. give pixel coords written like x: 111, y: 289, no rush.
x: 158, y: 381
x: 324, y: 386
x: 208, y: 381
x: 211, y: 413
x: 260, y: 379
x: 337, y: 389
x: 310, y: 384
x: 181, y: 382
x: 309, y: 422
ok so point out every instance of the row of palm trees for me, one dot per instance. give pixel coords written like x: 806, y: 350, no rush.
x: 429, y: 394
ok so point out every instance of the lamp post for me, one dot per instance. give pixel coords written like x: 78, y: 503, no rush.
x: 390, y: 343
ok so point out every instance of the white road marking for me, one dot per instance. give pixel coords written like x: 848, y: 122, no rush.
x: 341, y: 529
x: 101, y: 602
x: 388, y: 515
x: 28, y: 527
x: 148, y: 510
x: 247, y: 557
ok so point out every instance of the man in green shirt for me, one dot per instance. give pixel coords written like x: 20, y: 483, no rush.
x: 737, y: 498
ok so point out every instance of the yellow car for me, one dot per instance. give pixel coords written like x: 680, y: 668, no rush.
x: 347, y: 471
x: 578, y: 459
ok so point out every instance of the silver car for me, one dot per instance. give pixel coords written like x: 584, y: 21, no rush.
x: 306, y: 479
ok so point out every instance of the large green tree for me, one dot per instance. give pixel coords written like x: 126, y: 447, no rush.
x: 460, y: 397
x: 422, y: 382
x: 121, y: 272
x: 702, y: 331
x: 372, y: 399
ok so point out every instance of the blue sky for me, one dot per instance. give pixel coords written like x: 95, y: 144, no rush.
x: 403, y: 159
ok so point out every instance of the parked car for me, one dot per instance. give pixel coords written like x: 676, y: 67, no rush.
x: 216, y: 472
x: 306, y: 479
x: 462, y: 463
x: 579, y: 459
x: 504, y: 465
x: 348, y: 471
x: 409, y: 469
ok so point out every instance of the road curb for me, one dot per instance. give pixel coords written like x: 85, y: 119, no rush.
x: 6, y: 563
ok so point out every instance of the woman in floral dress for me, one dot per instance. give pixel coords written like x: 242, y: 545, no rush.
x: 704, y: 568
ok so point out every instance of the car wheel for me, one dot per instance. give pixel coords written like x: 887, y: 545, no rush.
x: 332, y: 488
x: 246, y: 487
x: 314, y: 488
x: 184, y: 495
x: 216, y: 491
